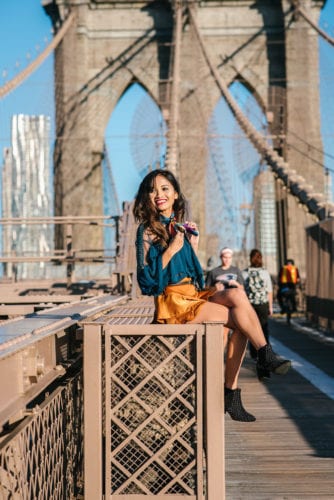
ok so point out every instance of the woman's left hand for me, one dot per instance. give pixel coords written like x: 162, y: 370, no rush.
x: 193, y: 226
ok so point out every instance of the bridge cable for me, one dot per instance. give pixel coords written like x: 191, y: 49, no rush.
x: 309, y: 145
x: 18, y: 79
x: 302, y: 140
x: 297, y: 184
x: 299, y: 10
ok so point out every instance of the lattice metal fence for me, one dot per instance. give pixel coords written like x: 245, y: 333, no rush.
x: 156, y: 410
x: 43, y: 457
x: 151, y: 384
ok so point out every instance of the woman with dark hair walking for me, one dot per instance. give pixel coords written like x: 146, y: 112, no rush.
x: 168, y: 269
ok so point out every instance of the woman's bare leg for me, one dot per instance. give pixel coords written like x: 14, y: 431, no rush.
x: 210, y: 311
x: 236, y: 350
x: 241, y: 315
x: 236, y: 344
x: 233, y: 308
x: 226, y: 332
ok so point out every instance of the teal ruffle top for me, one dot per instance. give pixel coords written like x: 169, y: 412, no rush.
x: 152, y: 279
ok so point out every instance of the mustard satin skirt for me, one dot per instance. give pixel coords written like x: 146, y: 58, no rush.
x: 180, y: 303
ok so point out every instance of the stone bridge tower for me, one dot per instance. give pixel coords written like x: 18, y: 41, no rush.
x: 112, y: 44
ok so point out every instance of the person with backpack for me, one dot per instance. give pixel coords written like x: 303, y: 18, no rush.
x: 259, y: 289
x: 288, y: 279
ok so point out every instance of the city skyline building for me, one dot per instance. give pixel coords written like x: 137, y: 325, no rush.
x: 26, y: 193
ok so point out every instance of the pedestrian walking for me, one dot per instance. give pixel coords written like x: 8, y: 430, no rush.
x: 259, y: 290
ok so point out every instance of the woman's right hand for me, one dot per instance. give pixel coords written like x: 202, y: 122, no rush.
x: 174, y: 246
x: 177, y: 242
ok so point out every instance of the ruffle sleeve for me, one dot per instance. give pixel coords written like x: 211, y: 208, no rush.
x: 151, y: 277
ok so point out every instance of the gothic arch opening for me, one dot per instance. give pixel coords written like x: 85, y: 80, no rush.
x: 135, y: 140
x: 134, y: 143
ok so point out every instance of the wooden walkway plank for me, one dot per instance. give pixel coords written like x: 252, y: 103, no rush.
x: 288, y: 453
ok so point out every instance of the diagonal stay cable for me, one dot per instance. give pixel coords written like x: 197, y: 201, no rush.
x: 306, y: 155
x: 299, y: 10
x: 297, y: 184
x: 311, y: 146
x: 18, y: 79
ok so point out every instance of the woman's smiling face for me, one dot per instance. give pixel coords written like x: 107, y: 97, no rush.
x: 163, y: 195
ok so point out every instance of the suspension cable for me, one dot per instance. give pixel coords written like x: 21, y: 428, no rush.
x: 306, y: 155
x: 299, y: 10
x: 309, y: 145
x: 297, y: 184
x: 18, y: 79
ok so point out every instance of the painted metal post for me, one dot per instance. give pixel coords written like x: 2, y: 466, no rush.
x: 93, y: 458
x: 214, y: 394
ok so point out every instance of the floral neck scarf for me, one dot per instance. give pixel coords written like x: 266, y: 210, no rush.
x: 170, y: 222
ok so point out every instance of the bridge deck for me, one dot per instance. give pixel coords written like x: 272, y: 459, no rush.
x: 288, y: 453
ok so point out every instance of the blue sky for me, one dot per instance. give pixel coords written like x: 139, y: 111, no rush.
x: 25, y: 30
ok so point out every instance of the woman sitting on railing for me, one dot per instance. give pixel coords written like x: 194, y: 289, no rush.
x: 168, y: 269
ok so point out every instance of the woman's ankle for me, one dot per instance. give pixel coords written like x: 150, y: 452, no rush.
x: 230, y: 387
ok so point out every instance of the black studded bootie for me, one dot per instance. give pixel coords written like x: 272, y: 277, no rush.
x: 267, y: 360
x: 234, y: 407
x: 262, y: 374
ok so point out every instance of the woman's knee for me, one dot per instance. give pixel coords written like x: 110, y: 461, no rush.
x: 211, y: 312
x: 230, y: 297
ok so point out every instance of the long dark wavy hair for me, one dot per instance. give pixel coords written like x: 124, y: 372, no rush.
x: 256, y: 258
x: 145, y: 212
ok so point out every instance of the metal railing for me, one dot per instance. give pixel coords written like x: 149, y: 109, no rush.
x: 320, y: 269
x: 153, y: 411
x: 42, y: 458
x: 68, y: 256
x: 41, y: 401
